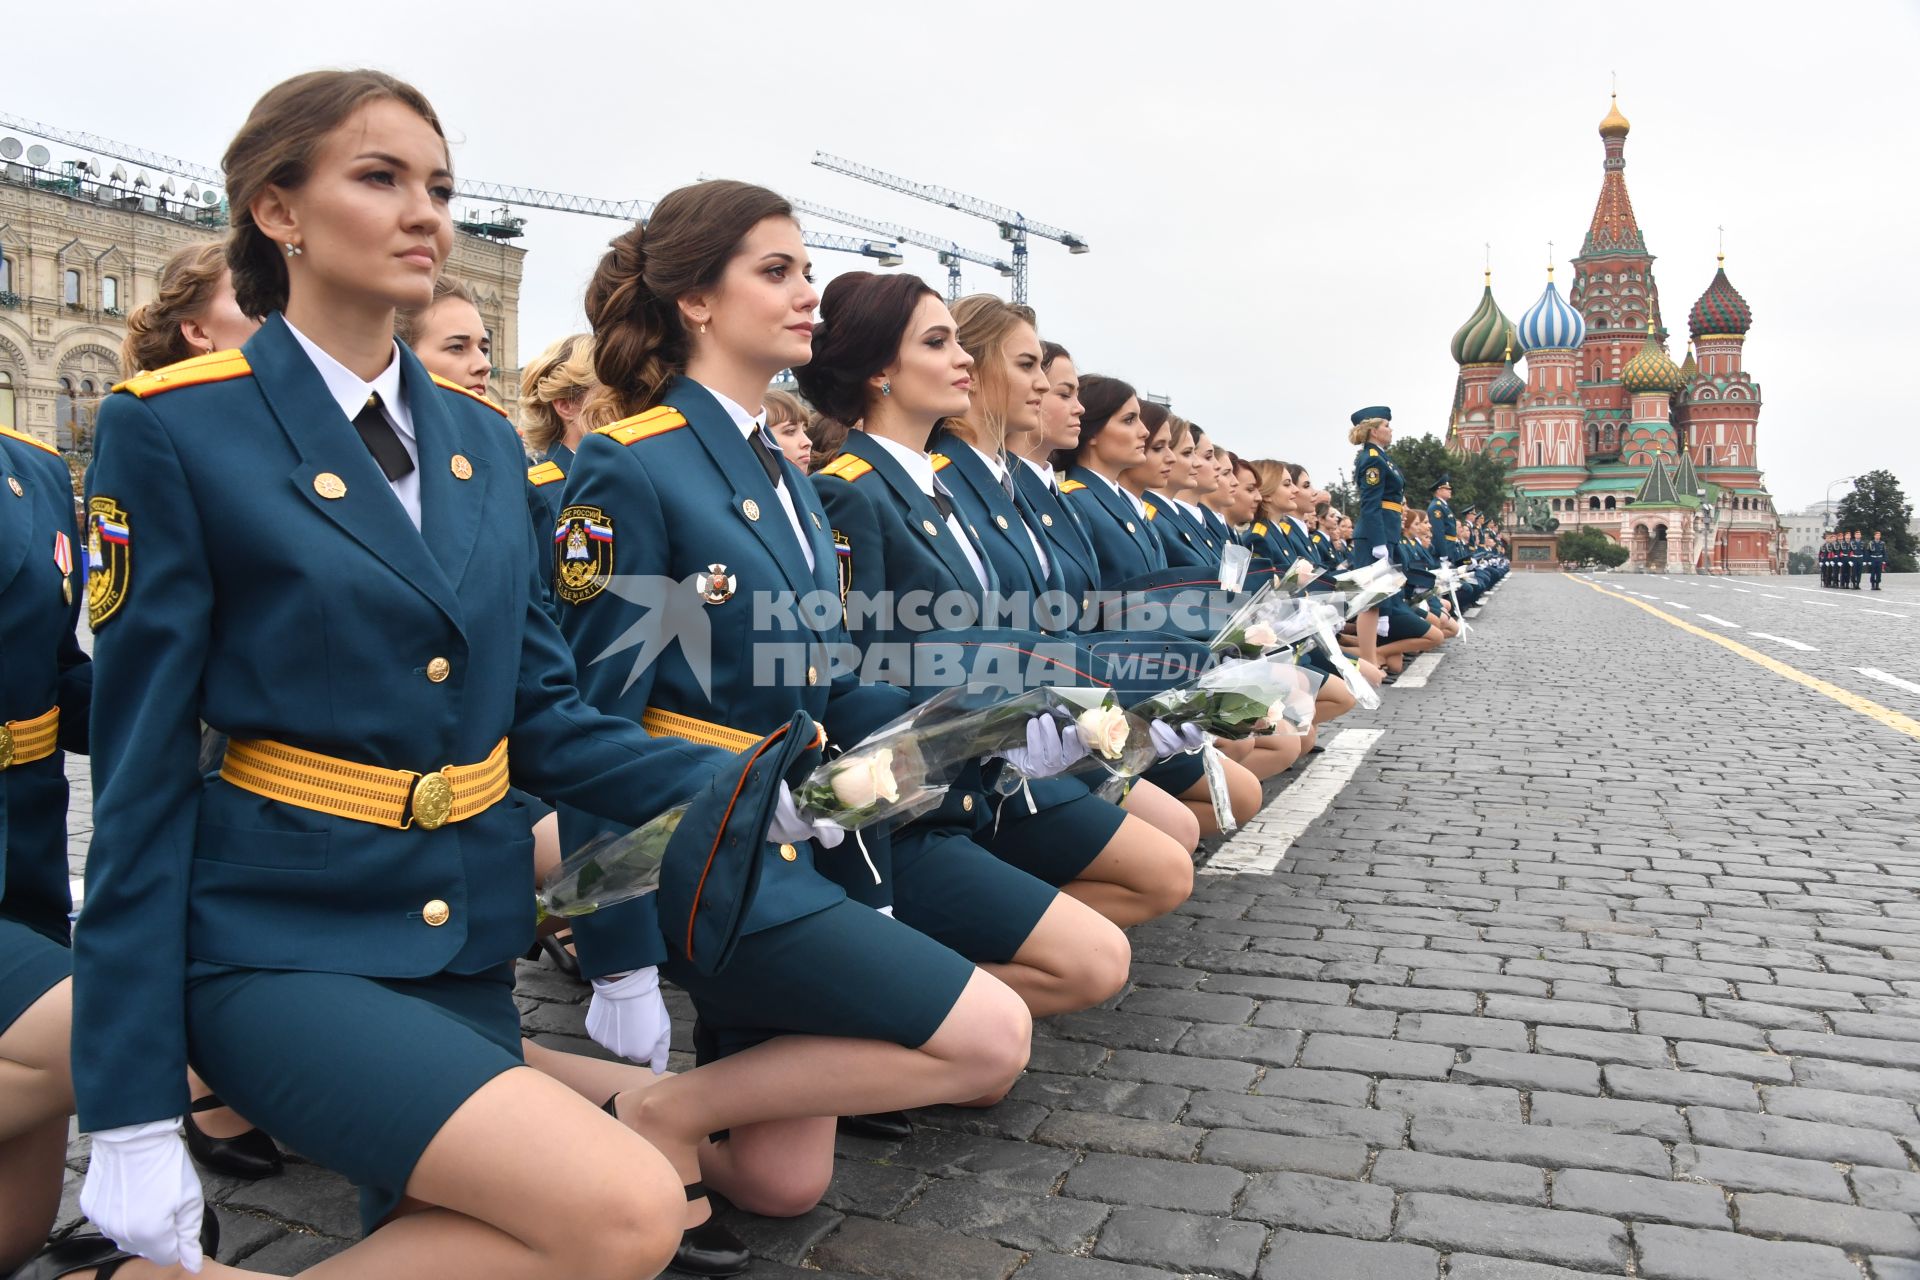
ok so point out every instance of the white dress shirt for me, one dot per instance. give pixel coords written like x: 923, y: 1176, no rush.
x: 919, y: 468
x: 1005, y: 481
x: 749, y: 424
x: 1046, y: 473
x: 1138, y: 504
x: 350, y: 392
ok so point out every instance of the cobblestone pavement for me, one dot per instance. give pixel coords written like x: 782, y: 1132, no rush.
x: 1606, y: 961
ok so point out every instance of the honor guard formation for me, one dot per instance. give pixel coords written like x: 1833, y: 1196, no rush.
x: 1845, y: 557
x: 367, y: 661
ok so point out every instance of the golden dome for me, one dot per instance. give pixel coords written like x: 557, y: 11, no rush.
x: 1615, y: 125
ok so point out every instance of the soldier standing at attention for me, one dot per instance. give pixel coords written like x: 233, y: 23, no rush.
x: 1446, y: 529
x: 1877, y: 556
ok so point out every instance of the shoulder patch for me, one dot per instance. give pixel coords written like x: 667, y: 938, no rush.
x: 1259, y: 528
x: 471, y: 395
x: 24, y: 438
x: 545, y: 473
x: 1071, y: 486
x: 214, y: 366
x: 1152, y: 510
x: 940, y: 461
x: 653, y: 422
x: 846, y: 467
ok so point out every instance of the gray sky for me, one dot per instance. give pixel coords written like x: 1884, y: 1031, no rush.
x: 1287, y: 202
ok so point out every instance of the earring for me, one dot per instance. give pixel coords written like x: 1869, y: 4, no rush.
x: 703, y: 328
x: 886, y: 388
x: 293, y: 250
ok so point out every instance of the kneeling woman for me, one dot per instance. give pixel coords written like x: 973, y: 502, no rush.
x: 335, y: 569
x: 681, y: 518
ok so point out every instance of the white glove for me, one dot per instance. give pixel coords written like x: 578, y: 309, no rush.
x: 1050, y: 749
x: 886, y: 911
x: 628, y: 1016
x: 142, y: 1192
x: 788, y: 827
x: 1381, y: 626
x: 1380, y: 553
x: 1173, y: 740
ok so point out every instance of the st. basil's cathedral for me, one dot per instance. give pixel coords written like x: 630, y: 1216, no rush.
x: 1603, y: 429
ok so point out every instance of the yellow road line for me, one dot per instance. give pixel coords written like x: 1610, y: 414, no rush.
x: 1845, y: 697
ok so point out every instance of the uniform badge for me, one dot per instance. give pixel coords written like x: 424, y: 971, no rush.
x: 843, y: 557
x: 13, y: 483
x: 751, y: 508
x: 582, y: 553
x: 109, y: 560
x: 1046, y: 520
x: 1002, y: 522
x: 462, y: 469
x: 716, y: 585
x: 1373, y: 475
x: 63, y: 559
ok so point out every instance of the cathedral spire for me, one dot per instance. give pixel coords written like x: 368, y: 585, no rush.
x: 1614, y: 227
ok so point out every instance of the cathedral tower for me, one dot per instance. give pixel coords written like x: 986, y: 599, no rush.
x: 1481, y: 348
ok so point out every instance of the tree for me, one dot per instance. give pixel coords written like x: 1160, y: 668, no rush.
x: 1878, y: 503
x: 1587, y: 545
x: 1479, y: 480
x: 1800, y: 562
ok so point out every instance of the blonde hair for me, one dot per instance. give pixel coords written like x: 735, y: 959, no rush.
x: 985, y: 324
x: 1178, y: 429
x: 783, y: 406
x: 1267, y: 475
x: 563, y: 371
x: 1357, y: 433
x: 187, y: 285
x: 406, y: 324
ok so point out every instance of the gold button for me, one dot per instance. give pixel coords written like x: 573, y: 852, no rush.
x: 1046, y: 520
x: 462, y: 469
x: 13, y: 483
x: 966, y: 803
x: 1129, y: 526
x: 329, y: 485
x: 436, y: 913
x: 439, y: 669
x: 788, y: 852
x: 752, y: 509
x: 813, y: 675
x: 933, y: 530
x: 1001, y: 521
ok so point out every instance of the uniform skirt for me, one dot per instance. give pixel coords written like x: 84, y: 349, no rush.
x: 31, y: 964
x: 959, y: 894
x: 357, y: 1074
x: 844, y: 971
x: 1404, y: 622
x: 1061, y: 836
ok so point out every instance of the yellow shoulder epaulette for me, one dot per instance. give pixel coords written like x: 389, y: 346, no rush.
x: 24, y: 438
x: 1259, y: 529
x: 545, y: 473
x: 1071, y: 486
x: 475, y: 395
x: 846, y: 467
x: 940, y: 461
x: 214, y: 366
x: 1372, y: 452
x: 653, y: 422
x: 1152, y: 510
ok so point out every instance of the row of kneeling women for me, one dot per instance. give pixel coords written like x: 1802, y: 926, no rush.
x: 360, y: 675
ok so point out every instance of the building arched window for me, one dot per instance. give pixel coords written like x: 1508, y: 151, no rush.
x: 1609, y: 503
x: 73, y: 288
x: 84, y: 402
x: 6, y: 275
x: 63, y: 414
x: 1593, y: 504
x: 1539, y: 454
x: 110, y: 293
x: 6, y: 400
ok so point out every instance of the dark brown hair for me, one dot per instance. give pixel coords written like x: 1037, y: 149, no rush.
x: 1153, y: 413
x: 828, y: 436
x: 633, y: 300
x: 1101, y: 397
x: 1051, y: 351
x: 185, y: 289
x: 863, y: 317
x: 275, y: 148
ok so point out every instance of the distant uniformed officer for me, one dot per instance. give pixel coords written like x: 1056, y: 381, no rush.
x: 1876, y: 556
x: 1446, y: 529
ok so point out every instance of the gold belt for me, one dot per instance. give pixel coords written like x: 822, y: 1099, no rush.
x: 24, y: 741
x: 1392, y: 506
x: 396, y: 798
x: 709, y: 733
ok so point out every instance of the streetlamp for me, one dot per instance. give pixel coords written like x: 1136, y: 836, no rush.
x: 1707, y: 513
x: 1826, y: 519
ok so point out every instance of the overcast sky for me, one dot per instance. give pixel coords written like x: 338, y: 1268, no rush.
x: 1287, y: 202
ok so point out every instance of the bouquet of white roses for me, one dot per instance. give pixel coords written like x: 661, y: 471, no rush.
x: 1242, y: 700
x: 1250, y: 633
x: 1369, y: 586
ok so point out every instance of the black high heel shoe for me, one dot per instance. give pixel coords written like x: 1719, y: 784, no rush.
x: 251, y: 1156
x: 708, y: 1249
x: 886, y: 1126
x: 100, y: 1255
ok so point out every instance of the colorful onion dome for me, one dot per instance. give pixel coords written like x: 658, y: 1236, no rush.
x: 1721, y: 309
x: 1507, y: 388
x: 1689, y: 369
x: 1615, y: 125
x: 1651, y: 369
x: 1550, y: 324
x: 1483, y: 338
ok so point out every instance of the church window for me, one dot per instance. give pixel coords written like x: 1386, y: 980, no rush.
x: 1593, y: 504
x: 63, y: 414
x: 110, y: 293
x: 1609, y: 502
x: 73, y: 288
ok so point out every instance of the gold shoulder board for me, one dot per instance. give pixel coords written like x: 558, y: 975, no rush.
x: 653, y: 422
x: 545, y: 473
x: 24, y: 438
x: 847, y: 467
x: 471, y: 395
x: 214, y: 366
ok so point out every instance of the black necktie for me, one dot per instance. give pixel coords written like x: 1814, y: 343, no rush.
x: 382, y: 441
x: 764, y: 451
x: 943, y: 504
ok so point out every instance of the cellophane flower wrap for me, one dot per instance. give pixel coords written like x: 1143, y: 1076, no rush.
x: 1237, y: 700
x: 1249, y: 633
x: 609, y: 869
x: 1369, y: 586
x: 1298, y: 577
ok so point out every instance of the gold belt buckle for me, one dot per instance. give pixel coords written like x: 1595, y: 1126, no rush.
x: 432, y: 800
x: 6, y: 746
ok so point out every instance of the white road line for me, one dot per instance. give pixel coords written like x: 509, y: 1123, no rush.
x: 1772, y: 597
x: 1415, y: 676
x: 1791, y: 644
x: 1264, y: 842
x: 1743, y: 591
x: 1676, y: 604
x: 1707, y: 617
x: 1711, y: 586
x: 1891, y: 679
x: 1821, y: 604
x: 1883, y: 613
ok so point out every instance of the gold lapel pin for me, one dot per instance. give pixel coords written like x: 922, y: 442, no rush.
x: 462, y: 469
x: 329, y: 485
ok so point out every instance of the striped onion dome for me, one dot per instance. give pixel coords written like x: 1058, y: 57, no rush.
x: 1483, y: 338
x: 1651, y: 369
x: 1550, y: 324
x: 1721, y: 309
x: 1506, y: 388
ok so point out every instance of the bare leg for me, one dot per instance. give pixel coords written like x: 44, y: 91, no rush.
x: 31, y: 1169
x: 220, y: 1122
x: 36, y: 1079
x: 1072, y: 960
x: 1142, y: 874
x: 1166, y: 812
x: 1243, y: 793
x: 1366, y: 634
x: 1273, y: 755
x: 1333, y: 701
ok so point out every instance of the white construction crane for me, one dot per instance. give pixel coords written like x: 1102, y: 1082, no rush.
x: 950, y: 254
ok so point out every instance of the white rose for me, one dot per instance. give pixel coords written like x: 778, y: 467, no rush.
x: 1104, y: 729
x: 864, y: 780
x: 1261, y: 636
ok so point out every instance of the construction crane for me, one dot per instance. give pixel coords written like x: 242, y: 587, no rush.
x: 1014, y: 225
x: 887, y: 254
x: 951, y: 255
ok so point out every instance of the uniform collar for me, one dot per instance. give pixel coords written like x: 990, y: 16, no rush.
x: 917, y: 465
x: 348, y: 390
x: 747, y: 422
